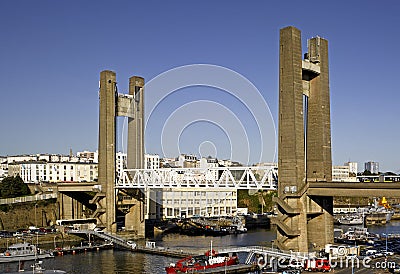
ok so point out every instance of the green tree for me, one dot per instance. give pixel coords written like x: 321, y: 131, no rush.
x: 367, y: 172
x: 12, y: 187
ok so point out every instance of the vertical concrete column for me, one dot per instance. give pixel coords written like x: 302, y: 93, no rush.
x: 135, y: 219
x: 291, y: 160
x: 135, y: 158
x: 319, y: 159
x: 106, y: 165
x: 292, y: 228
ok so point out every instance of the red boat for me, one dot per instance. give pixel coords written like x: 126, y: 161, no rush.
x: 210, y: 259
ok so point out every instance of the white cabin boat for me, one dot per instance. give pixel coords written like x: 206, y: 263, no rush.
x: 23, y: 252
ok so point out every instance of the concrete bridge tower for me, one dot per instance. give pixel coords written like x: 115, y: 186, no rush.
x: 304, y: 147
x: 112, y: 105
x: 135, y: 218
x: 105, y: 200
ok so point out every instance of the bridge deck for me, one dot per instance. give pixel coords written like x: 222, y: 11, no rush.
x: 75, y: 186
x: 354, y: 189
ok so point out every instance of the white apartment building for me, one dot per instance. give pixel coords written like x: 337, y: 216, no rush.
x: 353, y: 167
x: 120, y: 163
x: 152, y: 161
x: 21, y: 158
x: 88, y: 156
x: 342, y: 174
x: 167, y: 162
x: 3, y: 167
x: 195, y: 202
x: 41, y: 171
x: 186, y: 160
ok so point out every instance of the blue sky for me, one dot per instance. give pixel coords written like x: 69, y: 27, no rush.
x: 51, y: 54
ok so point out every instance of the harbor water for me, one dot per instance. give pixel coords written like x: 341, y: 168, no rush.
x: 119, y: 261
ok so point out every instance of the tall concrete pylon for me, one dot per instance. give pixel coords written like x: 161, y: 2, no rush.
x: 112, y: 105
x: 135, y: 218
x: 135, y: 158
x: 105, y: 200
x: 304, y: 146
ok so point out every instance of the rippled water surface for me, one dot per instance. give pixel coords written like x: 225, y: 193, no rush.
x: 118, y: 261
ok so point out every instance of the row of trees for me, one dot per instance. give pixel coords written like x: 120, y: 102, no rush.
x: 12, y: 187
x: 367, y: 173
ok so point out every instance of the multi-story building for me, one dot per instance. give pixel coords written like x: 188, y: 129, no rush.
x: 152, y: 161
x: 187, y: 160
x: 42, y: 171
x: 353, y: 167
x: 3, y: 167
x: 372, y: 167
x: 342, y: 174
x: 120, y: 164
x: 167, y: 162
x: 196, y: 202
x: 89, y: 156
x: 50, y: 158
x: 22, y: 158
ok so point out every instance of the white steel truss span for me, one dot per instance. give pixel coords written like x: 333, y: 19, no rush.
x: 223, y: 177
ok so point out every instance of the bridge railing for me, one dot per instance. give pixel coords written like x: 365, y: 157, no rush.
x: 106, y: 236
x: 223, y: 177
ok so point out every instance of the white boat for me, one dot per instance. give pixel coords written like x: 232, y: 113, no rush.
x: 381, y: 212
x: 23, y: 252
x: 351, y: 220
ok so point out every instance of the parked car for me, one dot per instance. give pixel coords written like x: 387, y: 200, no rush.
x: 18, y: 234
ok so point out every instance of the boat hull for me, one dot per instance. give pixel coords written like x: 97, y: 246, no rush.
x: 211, y: 260
x: 7, y: 259
x: 190, y: 269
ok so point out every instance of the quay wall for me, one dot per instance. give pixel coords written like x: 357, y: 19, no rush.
x: 22, y: 215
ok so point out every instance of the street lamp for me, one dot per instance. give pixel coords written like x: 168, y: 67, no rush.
x: 35, y: 215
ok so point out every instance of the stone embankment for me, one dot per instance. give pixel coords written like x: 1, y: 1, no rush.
x: 23, y: 215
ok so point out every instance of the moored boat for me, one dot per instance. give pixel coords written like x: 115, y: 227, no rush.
x: 351, y: 220
x: 211, y: 259
x: 23, y: 252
